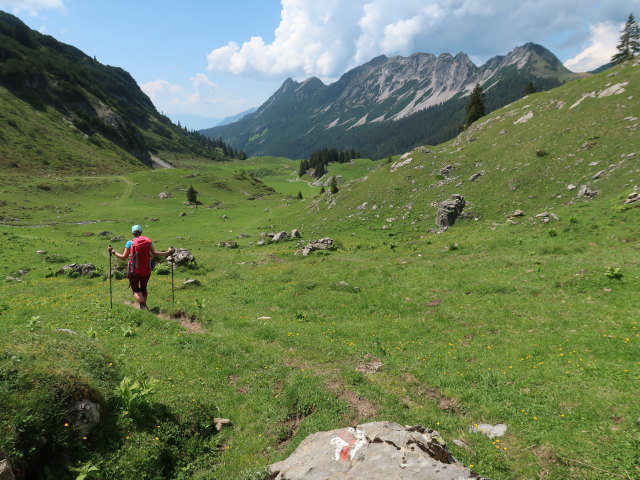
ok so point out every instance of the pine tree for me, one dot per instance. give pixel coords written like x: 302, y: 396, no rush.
x: 304, y: 166
x: 322, y: 190
x: 475, y: 107
x: 299, y: 196
x: 629, y: 44
x: 192, y: 194
x: 333, y: 186
x: 529, y: 89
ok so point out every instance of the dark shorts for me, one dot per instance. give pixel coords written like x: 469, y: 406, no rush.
x: 139, y: 284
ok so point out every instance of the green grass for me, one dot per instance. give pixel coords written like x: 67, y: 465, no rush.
x: 522, y: 324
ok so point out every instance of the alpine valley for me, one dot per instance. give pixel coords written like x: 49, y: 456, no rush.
x: 388, y: 104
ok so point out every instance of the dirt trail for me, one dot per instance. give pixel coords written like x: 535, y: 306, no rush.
x: 128, y: 190
x: 189, y: 324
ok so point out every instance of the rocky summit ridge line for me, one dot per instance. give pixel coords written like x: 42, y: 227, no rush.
x: 388, y: 104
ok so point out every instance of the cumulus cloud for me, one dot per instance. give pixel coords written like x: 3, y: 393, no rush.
x: 32, y: 7
x: 602, y: 46
x: 326, y: 38
x: 198, y: 98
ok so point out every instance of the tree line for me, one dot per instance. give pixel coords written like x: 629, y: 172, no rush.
x: 319, y: 160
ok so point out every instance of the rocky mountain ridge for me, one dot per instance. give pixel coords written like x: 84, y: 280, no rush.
x: 383, y: 91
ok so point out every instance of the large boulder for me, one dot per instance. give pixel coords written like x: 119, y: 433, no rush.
x: 449, y: 211
x: 373, y: 451
x: 87, y: 269
x: 280, y: 236
x: 182, y: 256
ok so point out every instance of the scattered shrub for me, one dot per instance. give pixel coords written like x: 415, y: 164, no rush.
x: 135, y: 394
x: 613, y: 273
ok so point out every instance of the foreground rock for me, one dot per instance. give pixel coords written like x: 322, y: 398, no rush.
x: 182, y: 256
x: 87, y: 415
x: 5, y: 469
x: 373, y: 451
x: 449, y: 211
x: 87, y: 269
x: 322, y: 244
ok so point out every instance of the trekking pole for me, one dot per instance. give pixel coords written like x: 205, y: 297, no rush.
x: 110, y: 286
x: 173, y: 265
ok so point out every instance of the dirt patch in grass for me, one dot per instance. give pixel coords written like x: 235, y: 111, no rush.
x: 370, y: 365
x: 446, y: 404
x: 360, y: 407
x: 545, y: 458
x: 189, y: 323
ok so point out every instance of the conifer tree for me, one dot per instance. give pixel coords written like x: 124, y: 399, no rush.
x: 629, y: 44
x: 529, y: 89
x: 192, y: 194
x: 322, y: 190
x: 299, y: 196
x: 475, y: 107
x: 333, y: 186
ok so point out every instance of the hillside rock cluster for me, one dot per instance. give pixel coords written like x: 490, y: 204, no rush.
x: 322, y: 244
x: 375, y: 451
x: 449, y: 211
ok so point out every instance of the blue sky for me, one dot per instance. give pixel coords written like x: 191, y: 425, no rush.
x: 200, y: 61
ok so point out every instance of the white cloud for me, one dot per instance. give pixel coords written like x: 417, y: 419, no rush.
x: 602, y: 46
x: 327, y: 38
x: 32, y: 7
x: 198, y: 98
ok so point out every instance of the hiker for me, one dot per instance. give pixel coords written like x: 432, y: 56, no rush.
x: 140, y: 253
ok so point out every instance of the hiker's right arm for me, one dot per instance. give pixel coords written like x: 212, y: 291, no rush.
x: 122, y: 256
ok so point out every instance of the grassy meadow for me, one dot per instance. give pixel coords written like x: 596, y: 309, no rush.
x: 528, y: 323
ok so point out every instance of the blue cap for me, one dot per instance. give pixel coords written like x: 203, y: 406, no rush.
x: 136, y: 229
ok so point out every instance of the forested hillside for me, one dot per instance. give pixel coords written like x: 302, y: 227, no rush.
x: 53, y: 94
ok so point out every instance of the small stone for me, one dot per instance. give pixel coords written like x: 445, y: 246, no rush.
x: 220, y: 422
x: 489, y: 430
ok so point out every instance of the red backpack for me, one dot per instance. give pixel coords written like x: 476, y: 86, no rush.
x: 140, y: 256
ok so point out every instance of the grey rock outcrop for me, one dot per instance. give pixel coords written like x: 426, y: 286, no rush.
x: 632, y: 198
x: 585, y: 191
x: 164, y: 195
x: 280, y: 236
x: 182, y: 256
x: 322, y: 244
x: 229, y: 244
x: 449, y: 211
x: 87, y: 415
x: 372, y: 451
x: 295, y: 233
x: 87, y: 269
x: 476, y: 176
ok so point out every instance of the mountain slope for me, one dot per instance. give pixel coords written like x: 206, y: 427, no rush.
x: 48, y: 86
x: 388, y: 104
x: 533, y: 155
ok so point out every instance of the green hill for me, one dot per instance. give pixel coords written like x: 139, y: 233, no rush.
x: 63, y: 110
x: 529, y: 320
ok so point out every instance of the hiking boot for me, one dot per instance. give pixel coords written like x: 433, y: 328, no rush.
x: 143, y: 306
